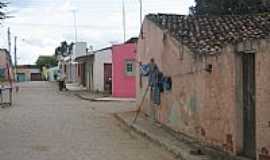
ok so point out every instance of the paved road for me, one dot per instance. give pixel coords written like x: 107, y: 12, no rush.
x: 44, y: 124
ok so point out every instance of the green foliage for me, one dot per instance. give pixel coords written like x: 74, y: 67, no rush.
x: 3, y: 15
x: 230, y: 7
x: 48, y: 61
x: 64, y: 49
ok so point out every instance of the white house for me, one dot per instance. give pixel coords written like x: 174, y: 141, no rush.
x: 103, y: 70
x: 96, y: 70
x: 70, y: 65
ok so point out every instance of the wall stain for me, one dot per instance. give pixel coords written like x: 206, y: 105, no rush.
x: 264, y: 154
x: 173, y: 117
x: 193, y: 104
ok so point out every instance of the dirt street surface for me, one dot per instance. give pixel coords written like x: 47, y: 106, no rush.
x: 44, y: 124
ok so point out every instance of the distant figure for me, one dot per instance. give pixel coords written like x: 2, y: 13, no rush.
x: 45, y: 73
x: 62, y: 78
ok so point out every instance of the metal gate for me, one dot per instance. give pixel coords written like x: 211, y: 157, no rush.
x: 249, y: 88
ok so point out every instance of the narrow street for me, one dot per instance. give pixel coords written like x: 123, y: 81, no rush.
x: 44, y: 124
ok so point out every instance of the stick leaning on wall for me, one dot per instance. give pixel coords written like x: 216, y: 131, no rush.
x: 141, y: 105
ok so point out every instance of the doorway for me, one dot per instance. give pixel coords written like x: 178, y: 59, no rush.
x: 108, y: 78
x: 249, y: 104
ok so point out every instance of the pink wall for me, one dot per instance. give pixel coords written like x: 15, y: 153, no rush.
x: 123, y: 85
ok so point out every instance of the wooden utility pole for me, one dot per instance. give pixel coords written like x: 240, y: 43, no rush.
x: 9, y: 59
x: 141, y: 14
x: 124, y: 19
x: 15, y: 57
x: 9, y: 41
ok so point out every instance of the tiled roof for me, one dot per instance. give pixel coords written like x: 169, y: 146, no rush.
x: 209, y: 34
x: 27, y: 67
x: 132, y: 40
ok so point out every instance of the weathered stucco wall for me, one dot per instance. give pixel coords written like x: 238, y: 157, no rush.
x: 201, y: 104
x: 207, y: 106
x: 3, y: 64
x: 27, y: 72
x: 263, y: 100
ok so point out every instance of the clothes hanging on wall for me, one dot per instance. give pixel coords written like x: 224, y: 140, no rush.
x: 167, y: 83
x: 160, y: 82
x: 156, y: 81
x: 144, y: 70
x: 155, y: 96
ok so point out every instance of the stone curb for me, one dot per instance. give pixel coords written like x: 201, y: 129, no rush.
x: 84, y: 98
x: 96, y: 99
x: 178, y: 152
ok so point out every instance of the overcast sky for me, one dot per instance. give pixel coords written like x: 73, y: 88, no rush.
x: 42, y: 24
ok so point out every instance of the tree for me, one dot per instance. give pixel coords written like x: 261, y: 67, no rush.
x: 64, y: 49
x: 230, y: 7
x: 47, y: 61
x: 2, y: 13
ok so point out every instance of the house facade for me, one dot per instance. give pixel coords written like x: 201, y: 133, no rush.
x: 218, y: 67
x: 28, y: 73
x: 124, y: 69
x: 69, y: 64
x: 96, y: 70
x: 6, y: 69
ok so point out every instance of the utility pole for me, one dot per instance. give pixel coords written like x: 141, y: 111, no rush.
x: 141, y: 14
x: 9, y: 62
x: 71, y: 76
x: 124, y: 19
x: 15, y: 56
x: 9, y: 41
x: 75, y: 26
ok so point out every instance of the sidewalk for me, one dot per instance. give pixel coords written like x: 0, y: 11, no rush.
x: 84, y: 94
x: 75, y: 87
x: 114, y: 99
x: 181, y: 146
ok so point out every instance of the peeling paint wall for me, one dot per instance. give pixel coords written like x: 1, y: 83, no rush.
x: 201, y: 104
x: 263, y: 100
x: 207, y: 106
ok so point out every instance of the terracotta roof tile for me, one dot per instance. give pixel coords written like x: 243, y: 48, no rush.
x: 209, y: 34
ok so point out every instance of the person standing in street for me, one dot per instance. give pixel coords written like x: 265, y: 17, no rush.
x: 62, y: 79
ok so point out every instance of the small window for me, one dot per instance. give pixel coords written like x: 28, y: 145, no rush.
x: 130, y: 67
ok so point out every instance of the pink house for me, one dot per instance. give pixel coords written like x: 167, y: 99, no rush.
x: 124, y: 73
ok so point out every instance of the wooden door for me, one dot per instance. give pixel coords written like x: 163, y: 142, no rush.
x: 249, y: 87
x: 83, y: 74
